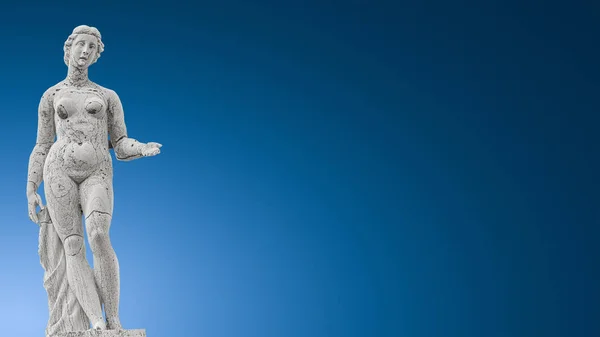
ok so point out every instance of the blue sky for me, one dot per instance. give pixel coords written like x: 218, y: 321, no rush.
x: 328, y: 168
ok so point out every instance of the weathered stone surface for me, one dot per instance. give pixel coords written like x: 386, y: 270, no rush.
x: 104, y: 333
x: 65, y: 313
x: 76, y: 118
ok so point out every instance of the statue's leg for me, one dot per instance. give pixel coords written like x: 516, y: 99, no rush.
x: 62, y: 196
x: 97, y: 203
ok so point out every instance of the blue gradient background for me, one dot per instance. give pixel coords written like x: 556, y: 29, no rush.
x: 329, y: 168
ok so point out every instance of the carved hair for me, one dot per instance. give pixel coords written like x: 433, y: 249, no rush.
x: 83, y: 29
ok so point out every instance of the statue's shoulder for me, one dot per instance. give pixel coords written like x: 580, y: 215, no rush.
x: 109, y: 93
x: 49, y: 93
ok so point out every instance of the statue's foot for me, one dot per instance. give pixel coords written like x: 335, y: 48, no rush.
x: 113, y: 323
x: 99, y: 325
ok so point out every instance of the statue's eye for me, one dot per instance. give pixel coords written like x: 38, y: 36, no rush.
x: 80, y: 43
x: 93, y: 46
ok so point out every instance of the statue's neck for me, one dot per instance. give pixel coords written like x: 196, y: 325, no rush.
x: 77, y: 77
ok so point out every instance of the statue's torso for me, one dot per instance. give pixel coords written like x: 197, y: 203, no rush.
x: 80, y: 118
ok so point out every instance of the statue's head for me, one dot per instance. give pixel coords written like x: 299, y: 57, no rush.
x: 83, y: 47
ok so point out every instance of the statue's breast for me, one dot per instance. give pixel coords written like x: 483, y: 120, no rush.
x: 65, y: 107
x: 94, y: 106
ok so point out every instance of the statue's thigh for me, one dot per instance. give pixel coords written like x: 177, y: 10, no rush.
x: 96, y: 195
x: 62, y: 197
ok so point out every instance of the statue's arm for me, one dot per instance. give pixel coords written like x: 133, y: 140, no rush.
x: 125, y: 148
x: 45, y: 138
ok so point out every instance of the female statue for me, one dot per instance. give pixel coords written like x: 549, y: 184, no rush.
x: 77, y: 171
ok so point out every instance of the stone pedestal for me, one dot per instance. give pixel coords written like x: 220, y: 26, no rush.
x: 104, y: 333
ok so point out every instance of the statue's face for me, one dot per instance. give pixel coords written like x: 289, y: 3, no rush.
x: 83, y: 50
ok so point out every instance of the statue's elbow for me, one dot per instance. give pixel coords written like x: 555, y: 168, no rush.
x: 127, y: 149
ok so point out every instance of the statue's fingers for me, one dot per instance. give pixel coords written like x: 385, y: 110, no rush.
x: 32, y: 216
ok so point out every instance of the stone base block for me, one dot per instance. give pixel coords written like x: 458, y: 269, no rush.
x: 104, y: 333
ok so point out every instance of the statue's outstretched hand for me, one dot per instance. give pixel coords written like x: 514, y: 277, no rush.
x: 151, y: 149
x: 33, y: 200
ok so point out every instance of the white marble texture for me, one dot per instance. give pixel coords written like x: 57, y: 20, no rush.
x: 104, y: 333
x: 76, y: 117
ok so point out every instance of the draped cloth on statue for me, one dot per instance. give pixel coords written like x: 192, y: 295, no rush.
x: 65, y: 311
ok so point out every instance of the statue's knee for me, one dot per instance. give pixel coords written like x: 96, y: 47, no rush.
x: 97, y: 226
x: 73, y: 245
x: 99, y: 241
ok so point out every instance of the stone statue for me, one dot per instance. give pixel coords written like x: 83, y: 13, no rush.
x: 77, y: 172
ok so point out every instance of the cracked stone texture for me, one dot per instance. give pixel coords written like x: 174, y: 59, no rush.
x: 104, y: 333
x: 76, y: 118
x: 65, y: 313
